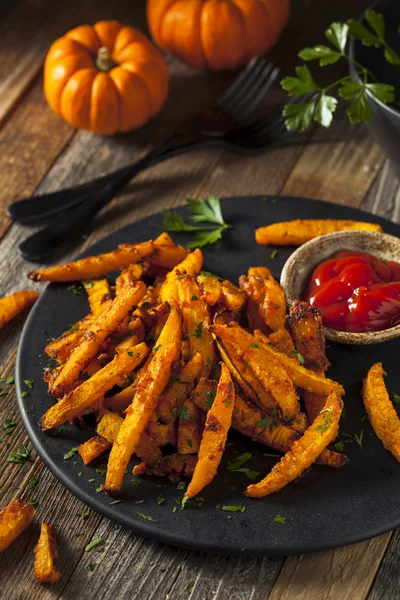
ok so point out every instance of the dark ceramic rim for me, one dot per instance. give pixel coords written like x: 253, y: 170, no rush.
x: 352, y: 47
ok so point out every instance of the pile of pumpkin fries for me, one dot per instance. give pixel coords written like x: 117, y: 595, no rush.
x: 164, y: 362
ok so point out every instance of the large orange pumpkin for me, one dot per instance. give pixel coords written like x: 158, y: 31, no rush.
x: 106, y: 77
x: 217, y: 34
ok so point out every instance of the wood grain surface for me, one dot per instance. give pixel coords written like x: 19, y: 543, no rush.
x: 40, y: 153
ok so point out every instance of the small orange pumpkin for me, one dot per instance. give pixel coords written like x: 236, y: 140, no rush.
x: 106, y: 77
x: 217, y: 34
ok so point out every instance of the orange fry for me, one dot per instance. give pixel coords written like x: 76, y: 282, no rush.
x: 14, y: 518
x: 299, y: 231
x: 304, y: 451
x: 380, y: 410
x: 47, y: 557
x: 95, y: 266
x: 101, y: 327
x: 93, y: 448
x: 99, y: 294
x: 191, y: 265
x: 82, y: 397
x: 148, y: 390
x: 12, y: 305
x: 265, y: 300
x: 212, y: 445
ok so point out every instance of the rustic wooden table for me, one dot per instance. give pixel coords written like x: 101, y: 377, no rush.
x: 39, y: 153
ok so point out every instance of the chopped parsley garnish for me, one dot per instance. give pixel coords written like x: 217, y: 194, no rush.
x: 70, y: 453
x: 183, y: 501
x: 99, y: 489
x: 160, y: 500
x: 210, y: 398
x: 8, y: 426
x: 396, y: 398
x: 29, y: 383
x: 75, y: 288
x: 147, y: 517
x: 32, y: 482
x: 35, y: 503
x: 299, y: 357
x: 252, y: 474
x: 182, y: 413
x: 73, y: 329
x: 102, y: 470
x: 339, y: 447
x: 327, y: 420
x: 24, y: 394
x: 20, y: 456
x: 204, y: 211
x: 115, y: 502
x: 279, y: 519
x: 199, y: 330
x: 139, y: 501
x: 136, y: 482
x: 88, y: 285
x: 266, y: 422
x: 93, y: 544
x: 238, y: 463
x: 8, y: 380
x: 156, y: 348
x: 233, y: 508
x: 274, y: 253
x: 194, y: 297
x: 254, y: 345
x: 182, y: 485
x: 84, y: 515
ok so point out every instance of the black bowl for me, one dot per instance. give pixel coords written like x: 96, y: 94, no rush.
x: 385, y: 124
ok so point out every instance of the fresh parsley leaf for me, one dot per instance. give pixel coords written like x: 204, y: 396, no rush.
x: 206, y: 211
x: 239, y: 461
x: 184, y: 413
x: 8, y: 380
x: 29, y: 383
x: 359, y: 110
x: 377, y: 23
x: 70, y: 453
x: 324, y: 110
x: 8, y: 426
x: 358, y: 31
x: 382, y: 91
x: 136, y: 482
x: 147, y: 517
x: 174, y: 222
x: 20, y: 456
x: 205, y: 238
x: 274, y: 253
x: 115, y: 502
x: 302, y: 84
x: 392, y: 57
x: 93, y: 544
x: 337, y: 34
x: 32, y: 482
x: 233, y: 508
x: 325, y: 55
x: 279, y: 519
x: 339, y: 447
x: 299, y: 115
x: 24, y: 394
x: 299, y: 357
x: 199, y: 330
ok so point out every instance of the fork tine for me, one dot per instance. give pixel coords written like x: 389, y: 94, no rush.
x: 256, y: 96
x: 267, y: 125
x: 225, y: 99
x: 235, y: 103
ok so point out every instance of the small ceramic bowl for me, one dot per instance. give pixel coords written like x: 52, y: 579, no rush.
x: 301, y: 263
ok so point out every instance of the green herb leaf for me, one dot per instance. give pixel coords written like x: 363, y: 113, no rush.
x: 239, y: 461
x: 392, y: 57
x: 8, y: 380
x: 253, y: 474
x: 382, y: 91
x: 324, y: 110
x: 337, y: 35
x: 70, y: 453
x: 325, y: 55
x: 266, y: 422
x: 35, y: 503
x: 279, y: 519
x: 274, y: 253
x: 302, y: 84
x: 206, y: 211
x: 358, y: 31
x: 24, y: 394
x: 327, y: 420
x: 377, y: 23
x: 299, y: 357
x: 29, y: 383
x: 206, y: 238
x: 32, y: 482
x: 233, y: 508
x: 210, y: 398
x: 396, y: 398
x: 360, y: 110
x: 20, y: 456
x: 93, y: 544
x: 339, y: 447
x: 147, y: 517
x: 115, y: 502
x: 299, y: 115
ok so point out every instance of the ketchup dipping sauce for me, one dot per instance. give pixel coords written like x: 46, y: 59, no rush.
x: 356, y: 291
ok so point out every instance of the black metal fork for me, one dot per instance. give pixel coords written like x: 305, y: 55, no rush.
x: 234, y: 108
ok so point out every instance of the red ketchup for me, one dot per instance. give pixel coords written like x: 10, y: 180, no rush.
x: 356, y: 291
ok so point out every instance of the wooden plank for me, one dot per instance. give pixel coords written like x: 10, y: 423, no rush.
x: 346, y: 573
x: 386, y: 585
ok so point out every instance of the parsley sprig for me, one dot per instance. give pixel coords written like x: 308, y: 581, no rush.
x: 204, y: 211
x: 321, y: 105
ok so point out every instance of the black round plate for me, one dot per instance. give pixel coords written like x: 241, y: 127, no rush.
x: 325, y: 509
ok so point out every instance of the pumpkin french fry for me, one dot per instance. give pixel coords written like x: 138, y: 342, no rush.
x: 282, y: 341
x: 265, y: 300
x: 12, y: 305
x: 299, y: 231
x: 162, y: 433
x: 164, y: 239
x: 148, y: 390
x: 275, y: 380
x: 196, y: 320
x: 304, y: 451
x: 380, y: 410
x: 47, y: 557
x: 92, y: 267
x: 82, y: 397
x: 302, y: 377
x: 191, y: 265
x: 173, y: 466
x: 120, y: 401
x: 93, y: 448
x: 98, y: 292
x: 101, y: 327
x: 147, y: 448
x: 180, y: 385
x: 252, y: 423
x: 212, y: 445
x: 166, y: 257
x: 14, y: 518
x: 128, y: 276
x: 189, y: 435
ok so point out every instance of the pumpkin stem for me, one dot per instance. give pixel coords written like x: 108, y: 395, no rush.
x: 104, y: 61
